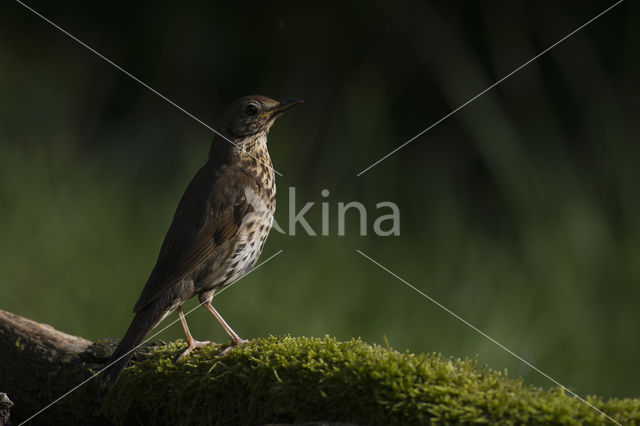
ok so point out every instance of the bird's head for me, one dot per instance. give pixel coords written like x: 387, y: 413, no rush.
x: 253, y: 115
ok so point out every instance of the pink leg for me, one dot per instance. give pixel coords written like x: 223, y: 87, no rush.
x: 191, y: 342
x: 236, y: 340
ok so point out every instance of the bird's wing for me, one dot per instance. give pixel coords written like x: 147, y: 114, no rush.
x: 207, y: 215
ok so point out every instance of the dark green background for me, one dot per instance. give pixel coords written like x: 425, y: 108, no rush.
x: 520, y: 212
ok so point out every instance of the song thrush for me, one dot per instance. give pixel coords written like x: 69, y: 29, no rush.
x: 218, y: 230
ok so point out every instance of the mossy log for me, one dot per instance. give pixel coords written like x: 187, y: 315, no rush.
x: 39, y: 363
x: 273, y: 380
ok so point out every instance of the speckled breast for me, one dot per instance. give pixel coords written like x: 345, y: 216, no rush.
x: 252, y: 234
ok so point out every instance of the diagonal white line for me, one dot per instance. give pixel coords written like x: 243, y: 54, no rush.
x: 490, y: 87
x: 476, y: 329
x: 145, y: 341
x: 259, y: 265
x: 145, y: 85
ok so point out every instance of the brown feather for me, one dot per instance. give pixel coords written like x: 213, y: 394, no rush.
x: 197, y: 229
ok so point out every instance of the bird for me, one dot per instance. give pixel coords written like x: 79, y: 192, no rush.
x: 218, y: 230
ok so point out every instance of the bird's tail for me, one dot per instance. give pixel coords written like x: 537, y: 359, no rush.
x: 144, y: 321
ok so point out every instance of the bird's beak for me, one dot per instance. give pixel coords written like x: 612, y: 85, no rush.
x: 283, y: 106
x: 288, y: 104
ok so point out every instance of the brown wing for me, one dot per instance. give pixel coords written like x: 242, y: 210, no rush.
x: 209, y: 212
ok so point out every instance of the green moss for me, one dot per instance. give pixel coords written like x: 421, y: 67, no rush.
x: 20, y: 344
x: 286, y: 379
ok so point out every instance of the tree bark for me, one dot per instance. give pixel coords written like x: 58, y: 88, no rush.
x: 38, y: 364
x: 5, y: 409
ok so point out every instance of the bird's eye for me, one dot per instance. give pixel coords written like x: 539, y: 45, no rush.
x: 251, y: 109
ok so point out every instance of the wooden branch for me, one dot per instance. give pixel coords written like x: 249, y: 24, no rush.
x: 39, y: 364
x: 271, y: 379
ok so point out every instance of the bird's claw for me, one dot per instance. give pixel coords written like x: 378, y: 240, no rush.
x: 235, y: 343
x: 193, y: 345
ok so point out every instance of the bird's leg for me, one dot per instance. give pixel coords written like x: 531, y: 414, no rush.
x: 191, y: 342
x: 236, y: 340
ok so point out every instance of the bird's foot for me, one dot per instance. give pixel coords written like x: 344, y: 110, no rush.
x: 192, y: 345
x: 233, y: 345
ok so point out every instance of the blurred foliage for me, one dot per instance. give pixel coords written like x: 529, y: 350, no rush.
x: 520, y: 212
